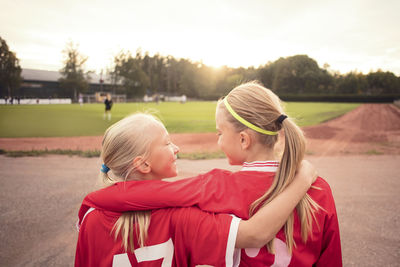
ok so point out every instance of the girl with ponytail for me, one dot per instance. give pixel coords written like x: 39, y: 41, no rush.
x: 248, y: 121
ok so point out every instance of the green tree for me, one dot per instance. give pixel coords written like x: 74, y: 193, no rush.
x: 204, y: 81
x: 351, y: 83
x: 10, y: 71
x: 128, y: 70
x: 382, y: 83
x: 74, y: 77
x: 296, y: 74
x: 157, y: 73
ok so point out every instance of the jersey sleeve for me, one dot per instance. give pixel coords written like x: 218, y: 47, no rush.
x: 206, y: 238
x: 207, y: 191
x: 331, y: 252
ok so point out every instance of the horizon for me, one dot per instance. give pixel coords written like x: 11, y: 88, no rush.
x: 350, y: 36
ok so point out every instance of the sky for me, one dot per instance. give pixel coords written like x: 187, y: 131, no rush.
x: 349, y: 35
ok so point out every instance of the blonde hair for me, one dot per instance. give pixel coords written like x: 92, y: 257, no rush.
x: 261, y: 107
x: 125, y: 140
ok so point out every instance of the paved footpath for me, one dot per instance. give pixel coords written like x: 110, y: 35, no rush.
x: 40, y: 196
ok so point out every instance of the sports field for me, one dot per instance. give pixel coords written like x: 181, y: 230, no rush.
x: 87, y: 120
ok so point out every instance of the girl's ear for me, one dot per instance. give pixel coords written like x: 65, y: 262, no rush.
x: 245, y: 140
x: 141, y: 165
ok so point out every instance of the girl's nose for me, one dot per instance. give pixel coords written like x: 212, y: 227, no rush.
x: 176, y: 149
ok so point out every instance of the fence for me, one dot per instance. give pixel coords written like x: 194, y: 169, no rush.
x: 35, y: 101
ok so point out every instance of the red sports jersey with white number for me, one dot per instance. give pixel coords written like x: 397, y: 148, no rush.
x: 177, y: 237
x: 227, y: 192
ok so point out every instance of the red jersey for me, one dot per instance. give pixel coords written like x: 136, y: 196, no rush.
x: 176, y: 237
x: 233, y: 192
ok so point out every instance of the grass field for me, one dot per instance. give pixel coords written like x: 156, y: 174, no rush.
x: 74, y: 120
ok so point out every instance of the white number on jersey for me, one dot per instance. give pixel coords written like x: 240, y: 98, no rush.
x: 163, y: 251
x: 282, y: 256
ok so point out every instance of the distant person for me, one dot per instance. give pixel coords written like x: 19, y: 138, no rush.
x: 80, y: 100
x: 138, y: 147
x: 183, y: 99
x: 157, y: 99
x: 108, y: 105
x: 18, y: 100
x: 248, y: 122
x: 11, y: 100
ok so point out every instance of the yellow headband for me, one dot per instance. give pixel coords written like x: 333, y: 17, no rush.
x: 244, y: 122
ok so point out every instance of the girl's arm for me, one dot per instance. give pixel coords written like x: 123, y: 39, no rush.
x: 209, y: 191
x: 140, y: 195
x: 266, y: 222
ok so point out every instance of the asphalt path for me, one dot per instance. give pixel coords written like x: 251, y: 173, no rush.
x: 40, y: 197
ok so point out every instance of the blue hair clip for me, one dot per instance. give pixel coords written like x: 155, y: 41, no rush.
x: 104, y: 168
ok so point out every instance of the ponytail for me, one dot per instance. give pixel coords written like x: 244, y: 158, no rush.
x: 291, y: 158
x: 140, y: 220
x: 261, y: 107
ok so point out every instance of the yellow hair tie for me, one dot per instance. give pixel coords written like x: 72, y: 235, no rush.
x: 244, y: 122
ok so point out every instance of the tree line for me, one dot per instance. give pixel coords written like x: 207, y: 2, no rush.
x: 292, y: 75
x: 140, y: 74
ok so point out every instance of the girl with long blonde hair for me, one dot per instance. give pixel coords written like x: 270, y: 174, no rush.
x: 138, y: 149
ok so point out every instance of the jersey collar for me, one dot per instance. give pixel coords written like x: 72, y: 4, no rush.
x: 261, y: 166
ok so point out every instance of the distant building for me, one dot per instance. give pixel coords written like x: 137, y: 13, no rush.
x: 44, y: 84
